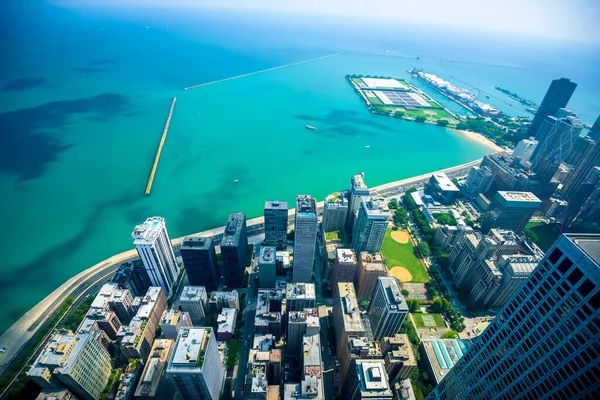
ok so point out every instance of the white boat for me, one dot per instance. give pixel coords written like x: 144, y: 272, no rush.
x: 236, y: 181
x: 310, y: 127
x: 367, y: 147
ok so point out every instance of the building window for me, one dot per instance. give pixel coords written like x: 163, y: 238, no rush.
x: 565, y: 265
x: 575, y: 276
x: 555, y: 255
x: 586, y: 287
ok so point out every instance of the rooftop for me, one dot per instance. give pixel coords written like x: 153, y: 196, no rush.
x: 283, y: 257
x: 193, y: 293
x: 156, y: 363
x: 300, y: 290
x: 358, y: 181
x: 442, y: 354
x: 519, y: 196
x: 372, y: 377
x: 336, y: 199
x: 444, y: 183
x: 346, y: 256
x: 349, y: 304
x: 197, y: 243
x: 276, y: 205
x: 518, y: 264
x: 267, y: 255
x: 375, y: 207
x: 371, y: 258
x: 171, y: 317
x: 190, y: 347
x: 305, y: 204
x: 56, y: 351
x: 233, y: 229
x: 149, y: 230
x: 393, y: 293
x: 589, y: 244
x: 226, y: 320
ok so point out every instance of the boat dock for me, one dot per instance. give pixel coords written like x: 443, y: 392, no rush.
x: 160, y: 146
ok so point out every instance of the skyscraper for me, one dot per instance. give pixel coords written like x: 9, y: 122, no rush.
x: 266, y: 267
x: 580, y: 194
x: 301, y: 323
x: 370, y: 226
x: 556, y: 137
x: 335, y: 212
x: 305, y: 238
x: 346, y: 318
x: 370, y: 267
x: 594, y: 133
x: 544, y: 342
x: 200, y: 261
x: 133, y: 276
x: 193, y: 301
x: 590, y: 159
x: 524, y: 150
x: 300, y: 296
x: 369, y: 381
x: 478, y: 181
x: 345, y: 267
x: 234, y: 250
x: 358, y: 188
x: 510, y: 210
x: 558, y: 95
x: 154, y: 383
x: 387, y: 309
x: 581, y: 146
x: 276, y: 224
x: 153, y: 245
x: 195, y: 367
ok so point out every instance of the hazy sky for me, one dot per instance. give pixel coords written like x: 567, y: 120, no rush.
x: 567, y: 19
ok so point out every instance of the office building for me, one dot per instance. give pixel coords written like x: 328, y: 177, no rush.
x: 335, y: 212
x: 305, y: 238
x: 153, y: 245
x: 387, y: 309
x: 121, y: 302
x: 358, y: 189
x: 56, y: 394
x: 276, y: 224
x: 78, y: 362
x: 193, y: 301
x: 359, y: 348
x: 509, y: 174
x: 172, y: 321
x: 440, y: 355
x: 442, y: 188
x: 510, y: 210
x: 594, y: 132
x: 346, y: 320
x: 200, y: 261
x: 557, y: 97
x: 220, y: 300
x: 312, y: 367
x: 256, y: 382
x: 154, y: 383
x: 556, y: 137
x: 267, y: 267
x: 268, y: 312
x: 447, y: 236
x: 369, y: 381
x: 226, y: 322
x: 524, y: 150
x: 196, y: 368
x: 300, y: 296
x: 263, y: 351
x: 478, y: 181
x: 345, y: 267
x: 234, y: 250
x: 543, y: 343
x: 400, y: 361
x: 133, y: 276
x: 370, y: 267
x: 370, y: 225
x: 301, y: 323
x: 581, y: 145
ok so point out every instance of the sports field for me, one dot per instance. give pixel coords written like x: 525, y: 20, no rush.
x: 428, y: 320
x: 400, y: 258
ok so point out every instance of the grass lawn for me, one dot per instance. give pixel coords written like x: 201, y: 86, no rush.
x: 334, y: 235
x: 542, y: 234
x: 437, y: 318
x: 396, y: 254
x: 357, y: 80
x: 375, y: 101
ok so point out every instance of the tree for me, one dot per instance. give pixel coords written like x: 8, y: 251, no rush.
x: 401, y: 217
x: 233, y: 352
x: 398, y: 114
x: 290, y: 235
x: 413, y: 305
x: 442, y: 122
x: 424, y: 249
x: 420, y: 119
x: 405, y: 292
x: 450, y: 334
x: 364, y: 305
x: 393, y: 204
x: 436, y: 306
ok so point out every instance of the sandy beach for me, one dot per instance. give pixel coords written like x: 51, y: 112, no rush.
x: 479, y: 138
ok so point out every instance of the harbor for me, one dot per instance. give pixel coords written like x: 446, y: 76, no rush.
x: 160, y: 146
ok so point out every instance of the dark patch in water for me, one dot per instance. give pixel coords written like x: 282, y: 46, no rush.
x: 88, y: 70
x: 342, y: 122
x: 194, y: 219
x: 308, y: 152
x: 102, y: 61
x: 24, y: 83
x: 27, y: 148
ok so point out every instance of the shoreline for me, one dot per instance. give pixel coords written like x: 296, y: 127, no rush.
x: 479, y: 138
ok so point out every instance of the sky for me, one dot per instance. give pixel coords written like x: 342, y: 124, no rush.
x: 573, y: 20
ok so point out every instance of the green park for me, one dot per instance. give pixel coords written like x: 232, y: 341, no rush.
x: 401, y: 258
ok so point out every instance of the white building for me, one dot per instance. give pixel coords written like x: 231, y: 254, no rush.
x: 524, y: 150
x: 153, y: 245
x: 370, y: 225
x: 193, y: 301
x: 196, y: 368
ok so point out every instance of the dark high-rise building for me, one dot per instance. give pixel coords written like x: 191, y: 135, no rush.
x: 510, y: 210
x: 234, y: 250
x: 543, y: 344
x: 133, y: 276
x: 305, y: 238
x: 556, y: 138
x: 200, y: 261
x: 558, y: 95
x: 387, y: 309
x: 582, y: 193
x: 276, y: 224
x: 581, y: 146
x: 358, y: 188
x: 589, y: 160
x: 594, y: 133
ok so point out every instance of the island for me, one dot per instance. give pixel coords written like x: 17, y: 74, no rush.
x: 397, y: 98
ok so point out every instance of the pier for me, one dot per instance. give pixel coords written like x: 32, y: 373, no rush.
x: 160, y: 146
x: 261, y: 71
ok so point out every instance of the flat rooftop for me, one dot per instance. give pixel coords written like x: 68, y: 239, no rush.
x: 276, y: 205
x: 149, y: 230
x: 300, y: 290
x: 519, y: 196
x: 442, y: 354
x: 305, y: 204
x: 372, y: 378
x: 267, y: 255
x: 393, y: 293
x: 156, y: 363
x: 196, y: 243
x: 358, y: 181
x: 226, y: 320
x: 346, y: 256
x: 444, y: 182
x: 191, y: 345
x: 193, y: 293
x: 233, y: 229
x: 589, y: 244
x: 350, y: 310
x: 337, y: 199
x: 376, y: 206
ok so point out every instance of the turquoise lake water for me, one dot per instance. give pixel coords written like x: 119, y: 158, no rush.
x: 86, y: 92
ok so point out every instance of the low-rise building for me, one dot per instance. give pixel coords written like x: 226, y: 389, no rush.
x: 442, y: 187
x: 220, y: 300
x: 226, y: 324
x: 399, y: 358
x: 440, y: 355
x: 56, y: 394
x: 368, y: 381
x: 370, y: 267
x: 154, y: 383
x: 345, y: 267
x: 172, y: 321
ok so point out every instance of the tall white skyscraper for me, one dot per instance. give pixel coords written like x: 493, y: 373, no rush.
x: 196, y: 368
x: 544, y: 342
x: 153, y: 244
x: 305, y: 238
x: 387, y: 309
x: 370, y: 225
